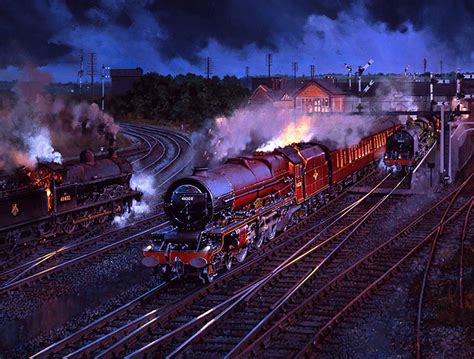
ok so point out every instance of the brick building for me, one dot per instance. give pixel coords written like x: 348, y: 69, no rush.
x: 326, y: 95
x: 124, y: 79
x: 319, y: 95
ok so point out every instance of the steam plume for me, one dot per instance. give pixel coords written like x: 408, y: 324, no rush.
x: 40, y: 127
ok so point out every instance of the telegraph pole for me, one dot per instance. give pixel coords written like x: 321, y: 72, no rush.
x: 92, y: 58
x: 208, y: 67
x: 80, y: 73
x: 269, y: 63
x: 295, y: 70
x: 247, y: 76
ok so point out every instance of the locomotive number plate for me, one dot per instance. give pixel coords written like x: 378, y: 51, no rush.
x: 65, y: 198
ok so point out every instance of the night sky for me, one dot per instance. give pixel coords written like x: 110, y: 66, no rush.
x: 173, y: 37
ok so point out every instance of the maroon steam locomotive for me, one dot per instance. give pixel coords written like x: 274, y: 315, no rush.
x: 219, y: 214
x: 53, y: 198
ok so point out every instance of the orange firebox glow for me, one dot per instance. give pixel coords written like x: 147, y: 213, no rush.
x: 43, y: 178
x: 294, y: 132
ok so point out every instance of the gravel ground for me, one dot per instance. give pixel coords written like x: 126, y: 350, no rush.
x: 42, y: 314
x: 385, y: 325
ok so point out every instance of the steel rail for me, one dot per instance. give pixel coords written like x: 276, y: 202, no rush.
x: 438, y: 233
x: 332, y: 284
x: 376, y: 284
x: 76, y: 260
x: 150, y: 146
x: 148, y: 318
x: 75, y: 245
x: 242, y: 295
x: 461, y: 255
x: 56, y: 347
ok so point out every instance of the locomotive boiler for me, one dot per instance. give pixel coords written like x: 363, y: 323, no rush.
x: 218, y: 215
x: 409, y: 144
x: 53, y: 198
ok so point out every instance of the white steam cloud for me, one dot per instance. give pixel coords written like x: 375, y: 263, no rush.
x: 40, y: 147
x: 145, y: 183
x: 266, y: 127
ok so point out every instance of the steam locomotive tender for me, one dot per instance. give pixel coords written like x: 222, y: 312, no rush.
x: 51, y: 199
x: 409, y: 144
x: 218, y: 215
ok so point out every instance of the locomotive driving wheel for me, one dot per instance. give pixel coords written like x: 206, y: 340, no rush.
x: 258, y: 241
x: 86, y: 223
x: 69, y: 226
x: 228, y: 262
x: 207, y: 277
x: 240, y: 257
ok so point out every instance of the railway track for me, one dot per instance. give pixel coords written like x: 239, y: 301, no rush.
x: 174, y: 146
x: 170, y: 322
x: 58, y: 256
x: 304, y: 329
x: 452, y: 208
x: 293, y: 279
x: 77, y: 253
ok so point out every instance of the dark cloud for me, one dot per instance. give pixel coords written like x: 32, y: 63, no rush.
x: 81, y: 9
x: 26, y: 32
x: 187, y: 26
x: 450, y: 22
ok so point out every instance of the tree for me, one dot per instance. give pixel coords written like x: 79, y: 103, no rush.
x: 185, y: 99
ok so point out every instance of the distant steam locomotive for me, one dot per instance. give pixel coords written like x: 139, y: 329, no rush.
x: 409, y: 144
x: 53, y: 198
x: 219, y: 214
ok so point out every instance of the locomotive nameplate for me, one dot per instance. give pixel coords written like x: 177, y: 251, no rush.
x: 15, y: 209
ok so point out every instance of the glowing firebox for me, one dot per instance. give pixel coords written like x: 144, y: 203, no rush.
x: 43, y: 178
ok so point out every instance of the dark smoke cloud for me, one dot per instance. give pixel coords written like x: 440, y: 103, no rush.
x: 189, y: 25
x: 26, y: 32
x: 39, y: 126
x: 450, y: 22
x: 42, y: 31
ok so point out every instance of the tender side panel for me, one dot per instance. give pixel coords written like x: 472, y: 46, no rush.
x: 23, y: 207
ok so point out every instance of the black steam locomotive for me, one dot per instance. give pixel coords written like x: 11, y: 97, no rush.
x: 409, y: 144
x: 52, y: 199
